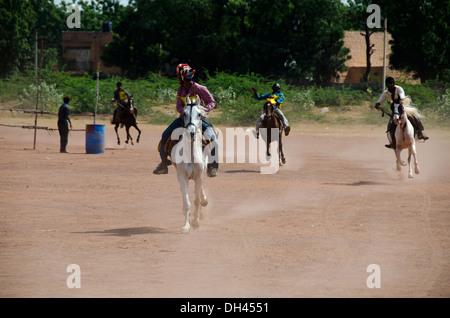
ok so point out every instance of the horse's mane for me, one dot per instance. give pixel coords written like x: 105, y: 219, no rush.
x: 203, y: 110
x: 410, y: 108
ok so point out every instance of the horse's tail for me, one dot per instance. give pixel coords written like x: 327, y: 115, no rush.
x: 410, y: 108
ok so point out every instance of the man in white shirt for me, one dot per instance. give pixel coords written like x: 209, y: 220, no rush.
x: 395, y: 94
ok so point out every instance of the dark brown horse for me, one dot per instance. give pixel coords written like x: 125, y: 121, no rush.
x: 129, y: 114
x: 270, y: 121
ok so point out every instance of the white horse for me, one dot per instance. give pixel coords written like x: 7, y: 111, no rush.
x: 191, y: 165
x: 404, y: 136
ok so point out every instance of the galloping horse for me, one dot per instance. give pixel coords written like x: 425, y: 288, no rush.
x: 404, y: 135
x: 128, y: 120
x: 192, y: 164
x: 270, y: 121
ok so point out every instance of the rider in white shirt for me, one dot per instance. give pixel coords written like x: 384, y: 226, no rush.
x: 395, y: 94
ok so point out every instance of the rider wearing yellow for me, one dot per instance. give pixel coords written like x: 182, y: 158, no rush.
x: 279, y: 99
x: 121, y: 96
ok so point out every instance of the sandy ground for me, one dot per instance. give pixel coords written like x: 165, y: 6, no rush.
x: 310, y: 230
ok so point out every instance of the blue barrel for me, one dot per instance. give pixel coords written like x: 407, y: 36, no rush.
x: 95, y: 138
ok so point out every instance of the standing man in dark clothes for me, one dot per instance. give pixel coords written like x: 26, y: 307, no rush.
x: 63, y: 124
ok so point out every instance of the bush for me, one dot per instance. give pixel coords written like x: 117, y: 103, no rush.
x: 232, y: 92
x: 423, y: 96
x: 49, y: 97
x: 443, y: 104
x: 329, y: 96
x: 303, y: 100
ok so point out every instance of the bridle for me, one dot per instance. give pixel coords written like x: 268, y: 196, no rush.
x: 190, y: 123
x: 266, y: 106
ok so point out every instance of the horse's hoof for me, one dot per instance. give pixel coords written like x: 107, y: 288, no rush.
x: 403, y: 163
x: 132, y: 142
x: 417, y: 170
x: 185, y: 229
x: 204, y: 202
x: 126, y: 142
x: 410, y: 175
x: 195, y: 224
x: 283, y: 161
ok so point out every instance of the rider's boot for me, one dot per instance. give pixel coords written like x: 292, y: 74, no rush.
x: 285, y: 123
x: 421, y: 135
x: 393, y: 144
x: 418, y: 127
x: 287, y: 129
x: 392, y: 132
x: 212, y: 170
x: 161, y: 169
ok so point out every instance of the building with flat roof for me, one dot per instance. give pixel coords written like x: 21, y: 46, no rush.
x: 83, y: 50
x: 355, y: 41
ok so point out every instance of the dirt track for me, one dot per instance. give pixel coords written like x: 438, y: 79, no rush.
x: 311, y: 230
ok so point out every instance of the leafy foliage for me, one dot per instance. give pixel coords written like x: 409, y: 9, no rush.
x: 421, y: 36
x: 49, y: 97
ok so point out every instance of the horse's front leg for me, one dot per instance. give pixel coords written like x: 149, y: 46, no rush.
x: 139, y: 132
x: 416, y: 162
x: 268, y: 141
x: 184, y: 185
x: 399, y: 160
x: 281, y: 153
x: 117, y: 134
x: 410, y: 173
x: 203, y: 197
x: 128, y: 135
x: 197, y: 200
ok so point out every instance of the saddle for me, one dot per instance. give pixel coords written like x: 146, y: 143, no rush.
x: 261, y: 125
x: 117, y: 118
x: 171, y: 143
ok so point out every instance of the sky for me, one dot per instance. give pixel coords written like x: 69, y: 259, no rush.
x: 122, y: 2
x: 125, y: 2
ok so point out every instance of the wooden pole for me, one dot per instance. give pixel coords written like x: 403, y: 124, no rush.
x: 37, y: 96
x: 36, y: 54
x: 96, y: 93
x: 384, y: 55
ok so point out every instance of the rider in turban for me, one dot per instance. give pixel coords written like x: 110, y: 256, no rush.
x: 188, y: 87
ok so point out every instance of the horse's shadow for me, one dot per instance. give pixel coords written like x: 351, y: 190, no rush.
x: 242, y: 171
x: 127, y: 231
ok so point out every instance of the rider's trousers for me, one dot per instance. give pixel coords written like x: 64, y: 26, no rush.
x: 280, y: 115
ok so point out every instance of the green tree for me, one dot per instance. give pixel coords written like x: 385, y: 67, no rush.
x: 356, y: 19
x: 295, y: 38
x: 17, y: 21
x: 315, y: 40
x: 50, y: 21
x: 94, y: 13
x: 138, y: 37
x: 421, y: 36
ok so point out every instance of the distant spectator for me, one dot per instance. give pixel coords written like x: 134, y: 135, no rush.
x: 63, y: 124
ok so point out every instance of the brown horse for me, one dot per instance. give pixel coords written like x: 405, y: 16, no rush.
x: 270, y: 121
x: 129, y: 114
